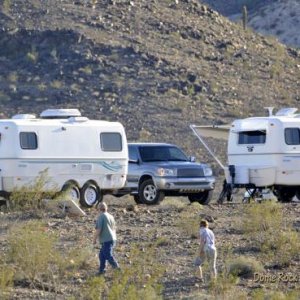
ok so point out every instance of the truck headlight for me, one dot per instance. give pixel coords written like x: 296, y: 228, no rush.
x: 166, y: 172
x: 208, y: 171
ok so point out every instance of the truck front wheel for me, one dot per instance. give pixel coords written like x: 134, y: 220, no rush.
x: 149, y: 194
x: 202, y: 197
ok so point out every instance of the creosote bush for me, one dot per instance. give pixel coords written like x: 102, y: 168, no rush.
x: 244, y: 267
x: 33, y: 257
x: 189, y: 219
x: 269, y: 232
x: 6, y: 280
x: 31, y: 250
x: 138, y: 280
x: 30, y: 196
x: 261, y: 294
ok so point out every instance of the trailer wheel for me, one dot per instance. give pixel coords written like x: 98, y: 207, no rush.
x: 71, y: 190
x: 202, y: 197
x: 149, y: 194
x: 285, y: 194
x: 90, y: 195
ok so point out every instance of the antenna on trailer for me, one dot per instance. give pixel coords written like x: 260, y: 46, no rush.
x: 270, y: 110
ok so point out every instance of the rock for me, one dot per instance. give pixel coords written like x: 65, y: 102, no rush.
x: 132, y: 208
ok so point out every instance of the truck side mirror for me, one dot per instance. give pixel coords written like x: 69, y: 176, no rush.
x: 133, y: 161
x: 192, y: 159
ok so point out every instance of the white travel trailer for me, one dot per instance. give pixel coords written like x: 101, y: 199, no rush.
x: 87, y: 158
x: 263, y: 152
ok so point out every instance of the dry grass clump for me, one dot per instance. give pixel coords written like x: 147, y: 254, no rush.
x: 138, y: 280
x: 6, y: 280
x: 269, y: 232
x: 275, y: 295
x: 189, y: 219
x: 31, y: 250
x: 244, y: 267
x: 224, y: 287
x: 174, y: 202
x: 30, y: 197
x: 34, y: 259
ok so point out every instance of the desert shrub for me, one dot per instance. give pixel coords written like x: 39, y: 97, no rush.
x: 284, y: 246
x: 6, y: 5
x: 138, y: 280
x: 33, y: 55
x: 31, y: 250
x: 173, y: 202
x: 6, y: 280
x: 267, y: 230
x: 261, y: 294
x: 244, y: 267
x: 76, y: 259
x: 189, y: 220
x: 224, y: 286
x: 94, y: 288
x: 31, y: 196
x: 262, y: 217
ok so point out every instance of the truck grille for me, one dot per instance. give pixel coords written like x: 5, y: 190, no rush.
x: 184, y: 173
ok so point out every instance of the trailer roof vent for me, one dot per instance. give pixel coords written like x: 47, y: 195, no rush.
x: 23, y: 116
x: 78, y: 119
x: 60, y: 113
x: 287, y: 111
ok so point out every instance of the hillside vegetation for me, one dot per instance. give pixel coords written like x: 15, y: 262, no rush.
x: 277, y: 18
x: 156, y: 66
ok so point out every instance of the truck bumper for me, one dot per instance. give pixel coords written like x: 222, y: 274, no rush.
x: 185, y: 184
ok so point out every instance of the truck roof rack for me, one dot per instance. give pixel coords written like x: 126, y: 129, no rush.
x: 60, y: 113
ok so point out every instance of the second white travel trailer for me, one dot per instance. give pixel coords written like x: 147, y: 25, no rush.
x: 88, y: 158
x: 263, y: 152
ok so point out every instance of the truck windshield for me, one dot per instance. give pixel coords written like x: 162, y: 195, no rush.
x: 161, y: 153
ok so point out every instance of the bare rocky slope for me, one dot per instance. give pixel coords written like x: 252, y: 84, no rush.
x: 156, y: 66
x: 278, y: 18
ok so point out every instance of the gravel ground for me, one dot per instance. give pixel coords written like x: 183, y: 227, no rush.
x: 167, y: 225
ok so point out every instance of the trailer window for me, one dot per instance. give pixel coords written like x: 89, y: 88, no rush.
x: 28, y: 140
x: 252, y: 137
x: 292, y: 136
x: 111, y: 141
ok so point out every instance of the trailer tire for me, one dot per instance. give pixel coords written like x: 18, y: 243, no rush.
x: 72, y: 191
x: 285, y: 195
x: 90, y: 194
x: 149, y: 194
x: 202, y: 197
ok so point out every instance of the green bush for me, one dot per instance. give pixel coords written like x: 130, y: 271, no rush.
x: 31, y: 196
x: 275, y: 295
x: 31, y: 250
x: 262, y: 217
x: 138, y: 280
x: 223, y: 285
x: 6, y: 280
x: 244, y: 267
x: 269, y: 232
x: 189, y: 220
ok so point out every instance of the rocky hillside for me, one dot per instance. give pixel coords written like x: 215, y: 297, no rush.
x: 156, y: 66
x: 278, y: 18
x: 232, y: 7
